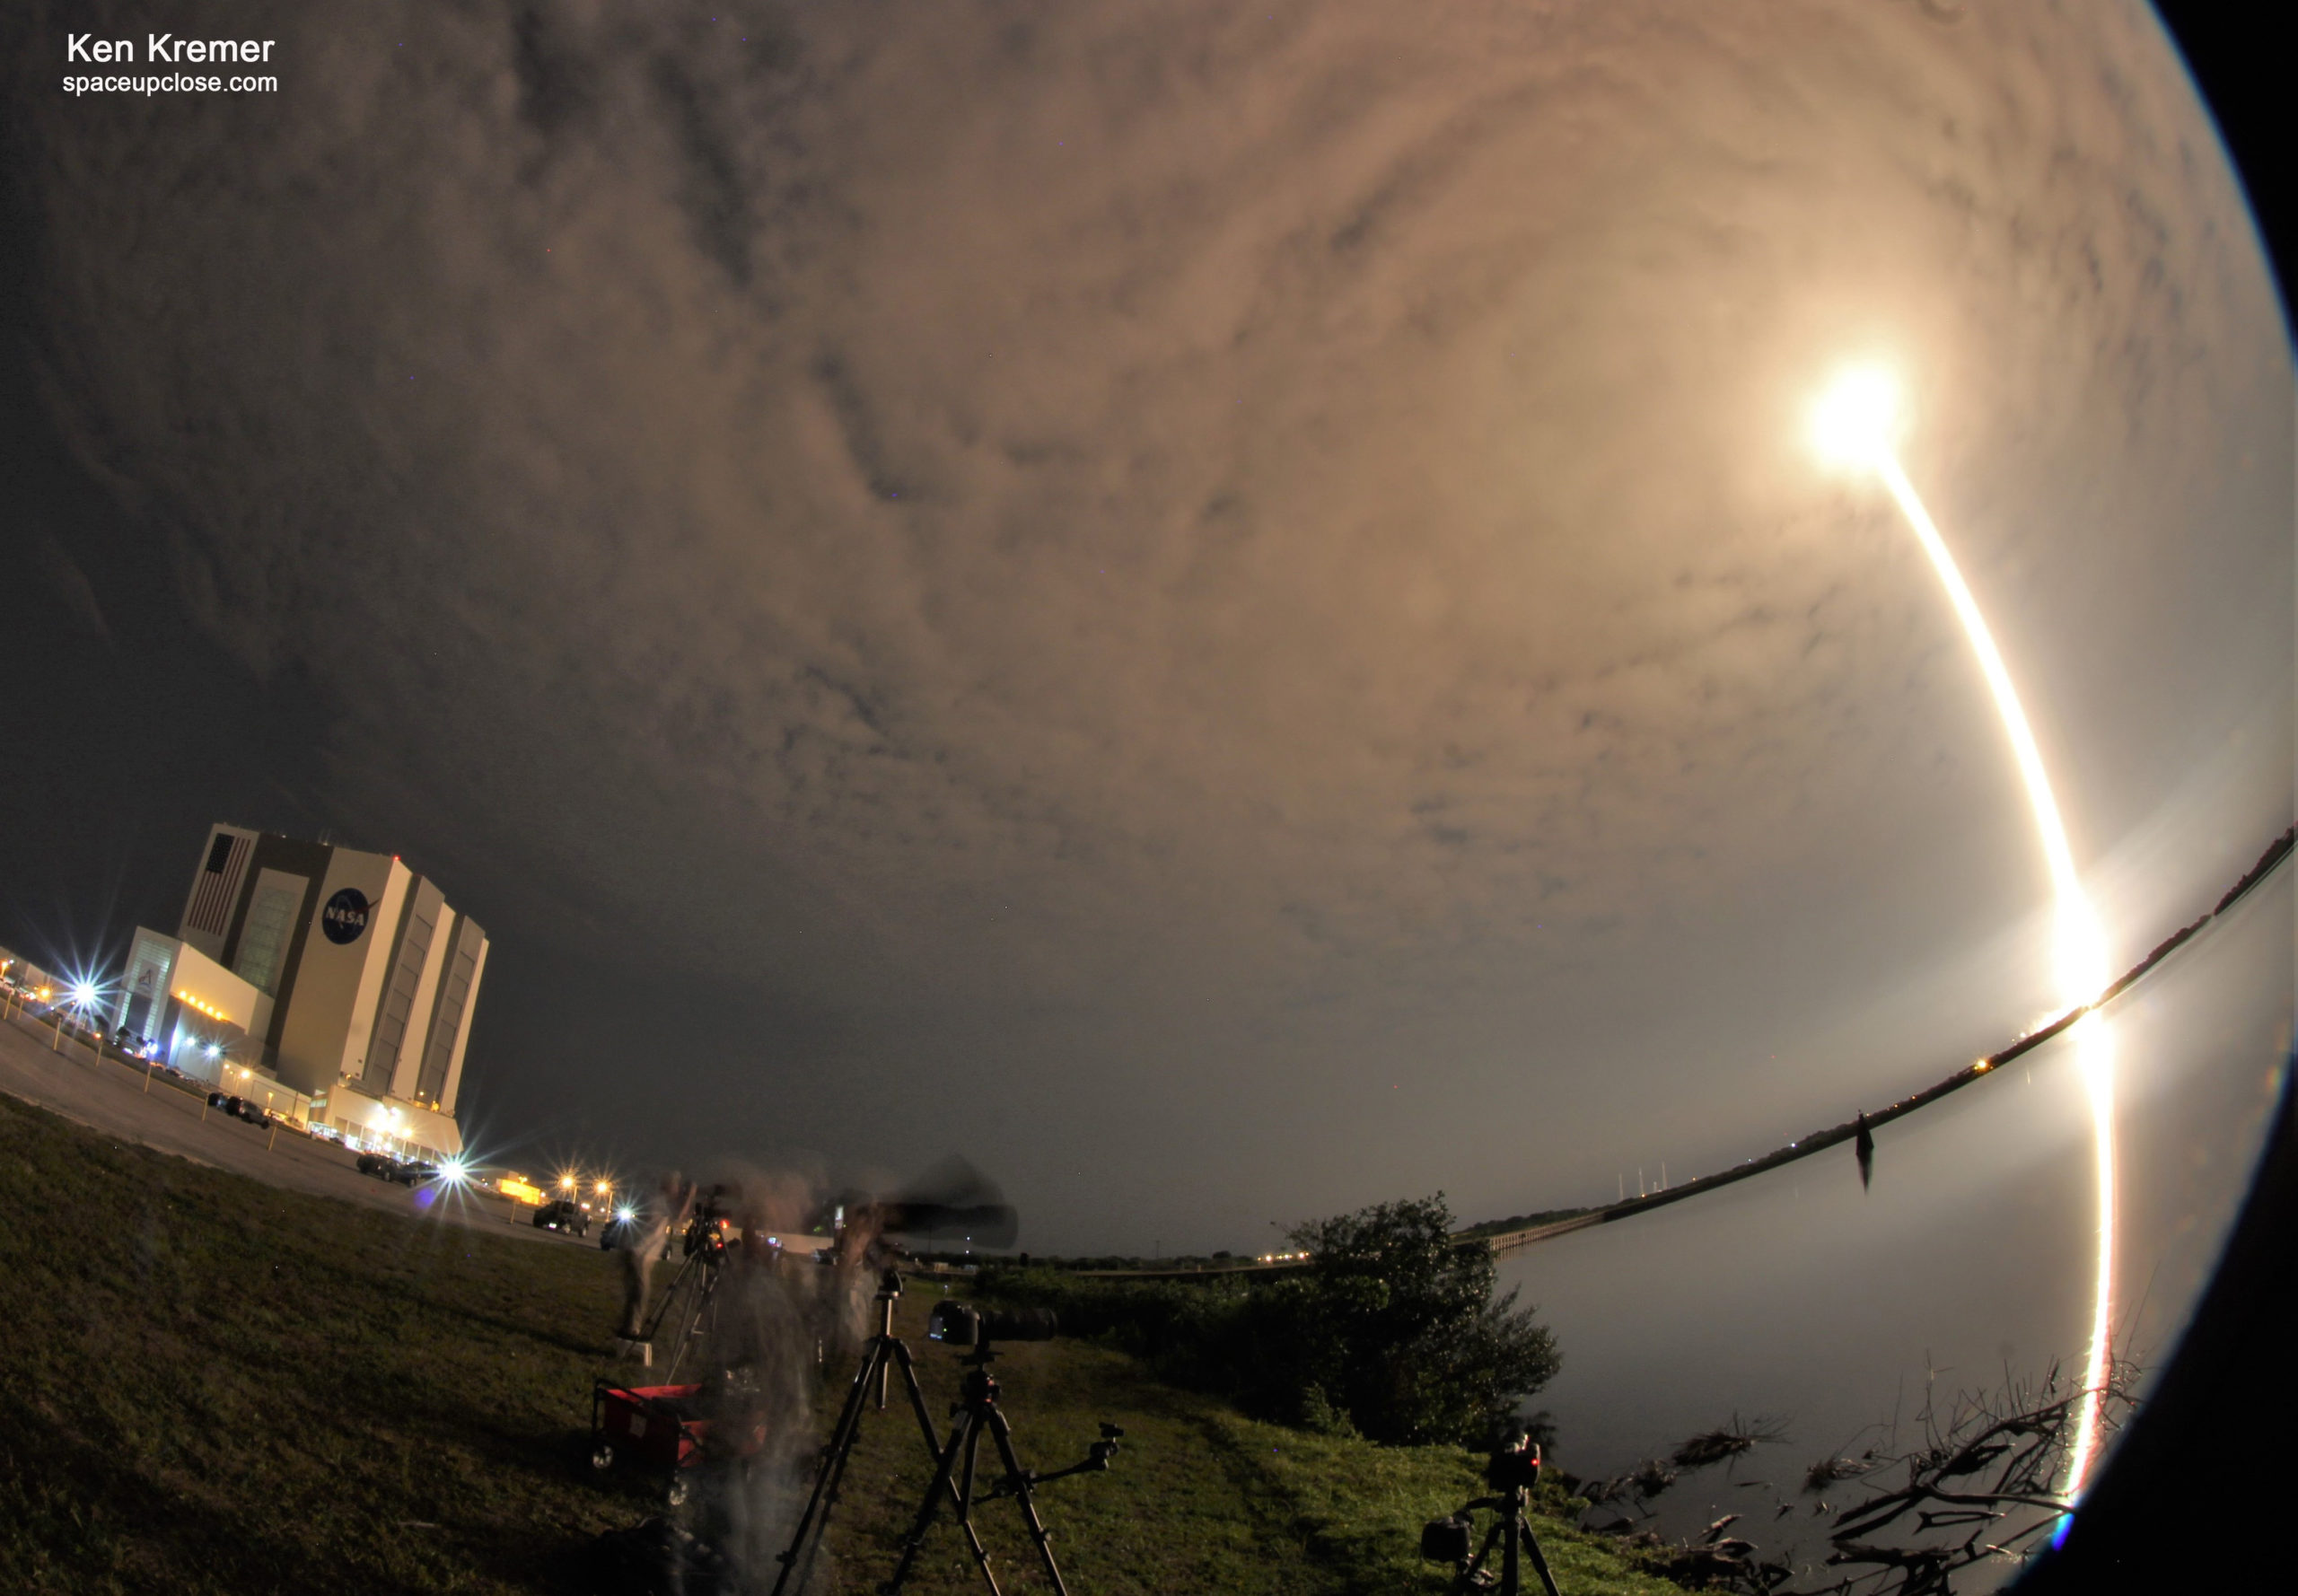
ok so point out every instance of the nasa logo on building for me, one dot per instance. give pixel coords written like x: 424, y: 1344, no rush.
x: 344, y: 917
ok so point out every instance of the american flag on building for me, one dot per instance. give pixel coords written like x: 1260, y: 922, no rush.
x: 212, y: 893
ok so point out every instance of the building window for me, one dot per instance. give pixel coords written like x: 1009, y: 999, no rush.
x: 447, y: 1018
x: 399, y: 1001
x: 263, y: 942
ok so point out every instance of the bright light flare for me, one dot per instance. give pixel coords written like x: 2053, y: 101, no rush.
x: 1854, y: 424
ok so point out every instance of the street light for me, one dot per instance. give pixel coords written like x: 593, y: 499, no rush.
x: 80, y: 997
x: 1856, y: 425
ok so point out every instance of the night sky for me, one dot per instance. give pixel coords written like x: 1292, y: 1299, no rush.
x: 1220, y: 607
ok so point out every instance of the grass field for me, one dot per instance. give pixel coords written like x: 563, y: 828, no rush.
x: 210, y: 1385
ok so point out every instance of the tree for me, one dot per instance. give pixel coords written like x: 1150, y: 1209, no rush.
x: 1394, y: 1324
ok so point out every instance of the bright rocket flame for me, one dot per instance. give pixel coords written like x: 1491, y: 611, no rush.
x: 1854, y: 422
x: 1854, y: 425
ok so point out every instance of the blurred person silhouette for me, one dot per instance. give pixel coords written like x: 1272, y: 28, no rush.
x: 646, y: 1242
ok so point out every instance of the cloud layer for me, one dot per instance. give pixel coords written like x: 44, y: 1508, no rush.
x: 1179, y: 541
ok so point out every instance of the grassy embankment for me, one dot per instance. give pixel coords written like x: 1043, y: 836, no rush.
x: 209, y: 1385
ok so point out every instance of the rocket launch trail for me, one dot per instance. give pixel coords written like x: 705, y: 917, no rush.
x: 1853, y: 426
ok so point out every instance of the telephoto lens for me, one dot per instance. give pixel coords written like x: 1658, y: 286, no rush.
x: 1019, y: 1324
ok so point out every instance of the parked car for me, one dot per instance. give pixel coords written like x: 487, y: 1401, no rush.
x: 564, y: 1215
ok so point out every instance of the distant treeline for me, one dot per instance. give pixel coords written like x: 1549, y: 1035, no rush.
x: 1209, y: 1261
x: 1390, y: 1330
x: 1521, y: 1222
x: 1215, y: 1261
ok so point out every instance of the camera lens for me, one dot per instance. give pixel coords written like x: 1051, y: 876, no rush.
x: 1021, y: 1324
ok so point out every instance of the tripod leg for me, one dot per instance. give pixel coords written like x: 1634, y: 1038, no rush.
x: 945, y: 1478
x: 965, y: 1503
x: 831, y: 1470
x: 1017, y: 1479
x: 916, y: 1400
x: 654, y: 1322
x: 1473, y: 1568
x: 1539, y: 1561
x: 692, y: 1325
x: 1509, y: 1577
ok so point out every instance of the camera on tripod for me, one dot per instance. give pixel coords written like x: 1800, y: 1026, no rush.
x: 966, y: 1324
x: 706, y: 1232
x: 1512, y: 1470
x: 961, y: 1478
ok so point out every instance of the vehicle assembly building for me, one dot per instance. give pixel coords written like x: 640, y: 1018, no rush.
x: 344, y: 976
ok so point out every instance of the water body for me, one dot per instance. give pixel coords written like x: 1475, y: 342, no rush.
x: 1798, y: 1297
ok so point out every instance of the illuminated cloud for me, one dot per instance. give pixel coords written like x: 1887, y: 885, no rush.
x: 1230, y: 515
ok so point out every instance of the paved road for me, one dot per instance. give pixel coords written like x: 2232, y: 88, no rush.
x: 108, y: 1096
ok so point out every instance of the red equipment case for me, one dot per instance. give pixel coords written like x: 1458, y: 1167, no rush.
x: 660, y: 1426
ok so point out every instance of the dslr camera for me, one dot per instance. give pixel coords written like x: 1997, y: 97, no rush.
x: 968, y: 1324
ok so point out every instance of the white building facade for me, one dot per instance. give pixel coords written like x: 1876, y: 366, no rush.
x: 363, y: 980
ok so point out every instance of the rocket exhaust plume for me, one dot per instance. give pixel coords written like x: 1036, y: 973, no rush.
x: 1854, y: 426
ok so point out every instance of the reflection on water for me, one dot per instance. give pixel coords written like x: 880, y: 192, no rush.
x: 1797, y: 1296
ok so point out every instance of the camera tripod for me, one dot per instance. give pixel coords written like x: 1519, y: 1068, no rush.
x: 1514, y: 1467
x: 953, y: 1476
x: 692, y: 1294
x: 885, y: 1352
x: 1475, y: 1576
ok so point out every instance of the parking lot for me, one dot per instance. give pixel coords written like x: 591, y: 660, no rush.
x: 117, y: 1099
